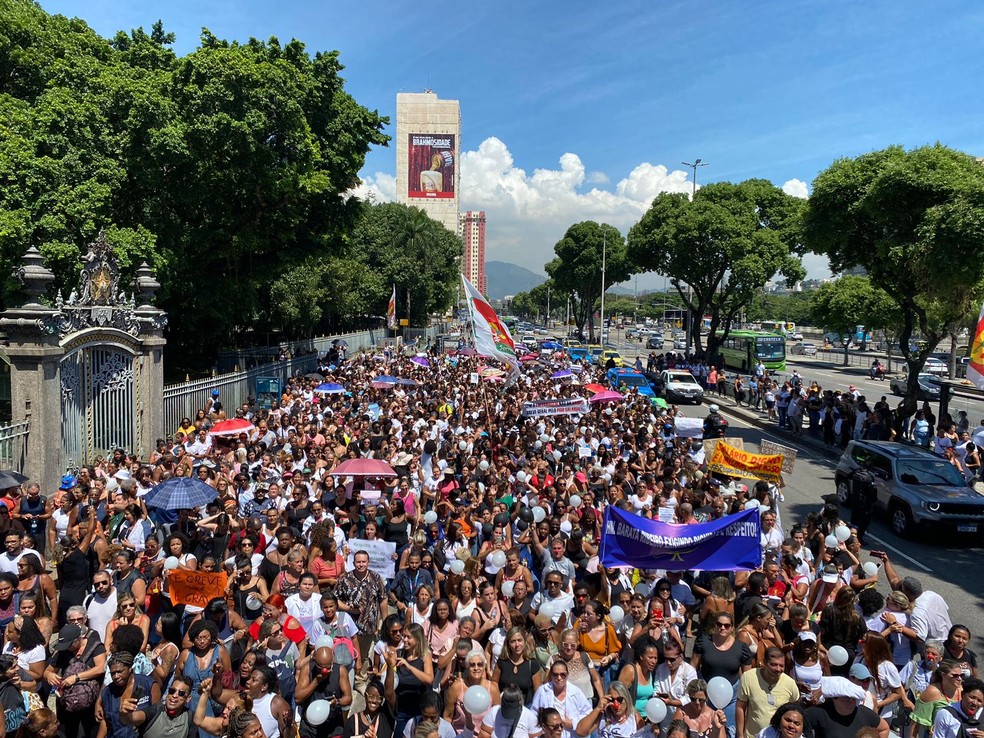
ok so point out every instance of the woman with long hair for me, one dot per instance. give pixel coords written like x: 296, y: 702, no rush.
x: 614, y: 715
x: 423, y: 604
x: 463, y: 597
x: 41, y: 723
x: 168, y: 648
x: 721, y: 653
x: 842, y: 625
x: 128, y: 612
x: 33, y: 577
x: 327, y: 564
x: 376, y: 719
x: 516, y: 665
x: 597, y: 638
x: 700, y: 719
x: 720, y: 599
x: 877, y: 656
x: 639, y: 676
x: 73, y: 566
x: 789, y: 721
x: 35, y: 606
x: 945, y: 688
x: 474, y: 675
x: 25, y: 642
x: 955, y: 648
x: 759, y: 632
x: 415, y: 673
x: 805, y: 666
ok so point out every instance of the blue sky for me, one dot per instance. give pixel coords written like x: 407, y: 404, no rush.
x: 582, y: 110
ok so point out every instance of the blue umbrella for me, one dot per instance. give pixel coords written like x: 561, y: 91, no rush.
x: 180, y: 493
x: 563, y: 374
x: 386, y: 379
x: 406, y: 382
x: 330, y: 388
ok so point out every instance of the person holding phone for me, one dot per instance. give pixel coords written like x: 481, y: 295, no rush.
x: 613, y: 717
x: 123, y: 685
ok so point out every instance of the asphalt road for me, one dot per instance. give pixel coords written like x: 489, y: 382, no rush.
x: 944, y: 564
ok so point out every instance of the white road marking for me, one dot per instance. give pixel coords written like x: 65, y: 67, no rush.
x: 785, y: 440
x: 892, y: 548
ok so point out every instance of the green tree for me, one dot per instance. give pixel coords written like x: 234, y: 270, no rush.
x: 576, y: 269
x: 720, y: 248
x: 533, y: 303
x: 915, y: 221
x: 850, y: 301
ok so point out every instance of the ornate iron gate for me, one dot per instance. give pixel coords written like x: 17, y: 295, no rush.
x: 98, y: 402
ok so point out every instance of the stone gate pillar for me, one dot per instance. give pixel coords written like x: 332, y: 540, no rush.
x: 34, y: 354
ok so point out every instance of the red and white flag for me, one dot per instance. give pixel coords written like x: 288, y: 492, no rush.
x: 391, y: 310
x: 492, y: 338
x: 975, y: 368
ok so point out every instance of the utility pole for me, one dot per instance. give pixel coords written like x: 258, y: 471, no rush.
x: 548, y: 308
x: 690, y: 327
x: 604, y: 249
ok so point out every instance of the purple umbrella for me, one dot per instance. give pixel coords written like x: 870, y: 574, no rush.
x: 420, y: 360
x: 563, y: 374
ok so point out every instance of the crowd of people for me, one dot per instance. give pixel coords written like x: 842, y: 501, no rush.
x: 461, y: 595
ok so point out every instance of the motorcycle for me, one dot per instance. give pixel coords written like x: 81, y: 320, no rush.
x: 877, y: 372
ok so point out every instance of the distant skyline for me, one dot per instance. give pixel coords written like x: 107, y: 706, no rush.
x: 586, y: 110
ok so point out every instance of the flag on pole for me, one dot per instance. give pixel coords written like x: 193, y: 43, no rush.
x: 391, y: 310
x: 975, y: 367
x: 492, y: 338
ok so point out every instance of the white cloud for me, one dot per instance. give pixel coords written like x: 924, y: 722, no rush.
x: 527, y: 214
x: 796, y: 188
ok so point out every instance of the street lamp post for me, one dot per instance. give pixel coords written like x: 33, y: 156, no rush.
x: 603, y: 253
x: 695, y: 165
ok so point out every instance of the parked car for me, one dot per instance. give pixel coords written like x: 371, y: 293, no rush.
x: 530, y: 341
x: 631, y: 379
x: 936, y: 366
x: 655, y: 341
x: 929, y: 386
x: 680, y: 344
x: 915, y: 487
x: 795, y: 336
x: 680, y: 386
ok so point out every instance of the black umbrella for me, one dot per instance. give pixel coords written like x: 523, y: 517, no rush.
x: 315, y: 376
x: 10, y: 478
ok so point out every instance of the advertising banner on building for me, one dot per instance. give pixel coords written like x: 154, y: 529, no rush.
x: 431, y: 162
x: 540, y: 408
x: 729, y: 544
x: 736, y: 463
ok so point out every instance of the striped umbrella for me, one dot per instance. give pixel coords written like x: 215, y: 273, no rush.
x: 180, y: 493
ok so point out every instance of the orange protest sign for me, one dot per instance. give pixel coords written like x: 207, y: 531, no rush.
x: 738, y: 463
x: 196, y: 587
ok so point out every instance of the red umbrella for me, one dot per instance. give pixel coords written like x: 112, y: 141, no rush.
x: 606, y: 396
x: 594, y: 387
x: 529, y: 357
x: 232, y: 427
x: 363, y: 468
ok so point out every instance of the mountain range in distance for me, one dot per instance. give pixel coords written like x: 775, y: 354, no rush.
x: 503, y: 278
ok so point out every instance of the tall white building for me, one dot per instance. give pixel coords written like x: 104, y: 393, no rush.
x: 428, y: 140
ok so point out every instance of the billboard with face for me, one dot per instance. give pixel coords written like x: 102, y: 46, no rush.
x: 431, y: 162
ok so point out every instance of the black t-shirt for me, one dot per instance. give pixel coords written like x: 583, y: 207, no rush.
x: 714, y: 662
x: 789, y: 634
x: 828, y: 723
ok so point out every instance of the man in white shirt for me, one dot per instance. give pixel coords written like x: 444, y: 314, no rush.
x: 930, y: 614
x: 15, y: 552
x: 101, y: 606
x: 570, y: 702
x: 553, y: 592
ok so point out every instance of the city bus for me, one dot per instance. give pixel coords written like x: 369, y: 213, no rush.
x: 785, y: 327
x: 742, y: 349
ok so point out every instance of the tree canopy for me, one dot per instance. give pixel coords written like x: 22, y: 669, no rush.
x: 576, y: 269
x: 841, y: 306
x: 915, y: 221
x: 225, y: 168
x: 720, y: 248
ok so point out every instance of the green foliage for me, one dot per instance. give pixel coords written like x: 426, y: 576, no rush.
x: 576, y: 269
x: 791, y: 306
x: 850, y: 301
x: 532, y: 304
x: 915, y: 221
x: 224, y: 169
x: 721, y: 248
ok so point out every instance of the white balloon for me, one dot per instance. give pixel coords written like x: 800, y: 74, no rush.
x: 539, y: 514
x: 477, y: 699
x: 545, y: 438
x: 498, y: 559
x: 457, y: 566
x: 546, y: 609
x: 837, y: 655
x: 642, y: 588
x: 870, y: 568
x: 557, y: 455
x: 617, y: 614
x: 575, y: 501
x: 607, y: 477
x: 831, y: 541
x: 481, y: 487
x: 483, y: 465
x: 508, y: 587
x: 752, y: 505
x: 317, y: 712
x: 763, y: 509
x: 538, y: 445
x: 171, y: 563
x: 566, y: 527
x: 430, y: 517
x: 462, y: 445
x: 842, y: 532
x: 325, y: 641
x: 253, y: 602
x: 655, y: 710
x: 520, y: 476
x: 720, y: 692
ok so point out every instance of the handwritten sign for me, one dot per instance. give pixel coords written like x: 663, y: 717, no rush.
x: 380, y: 556
x: 788, y: 453
x: 737, y: 463
x: 196, y: 587
x: 711, y: 443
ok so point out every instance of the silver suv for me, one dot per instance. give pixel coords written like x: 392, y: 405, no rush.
x: 915, y: 487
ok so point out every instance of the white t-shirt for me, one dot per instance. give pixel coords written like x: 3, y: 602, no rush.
x: 100, y: 612
x: 306, y: 611
x: 501, y: 726
x: 26, y: 658
x: 573, y: 707
x: 8, y: 563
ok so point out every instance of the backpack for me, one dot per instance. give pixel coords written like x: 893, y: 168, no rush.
x: 82, y: 695
x: 965, y: 722
x: 285, y: 674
